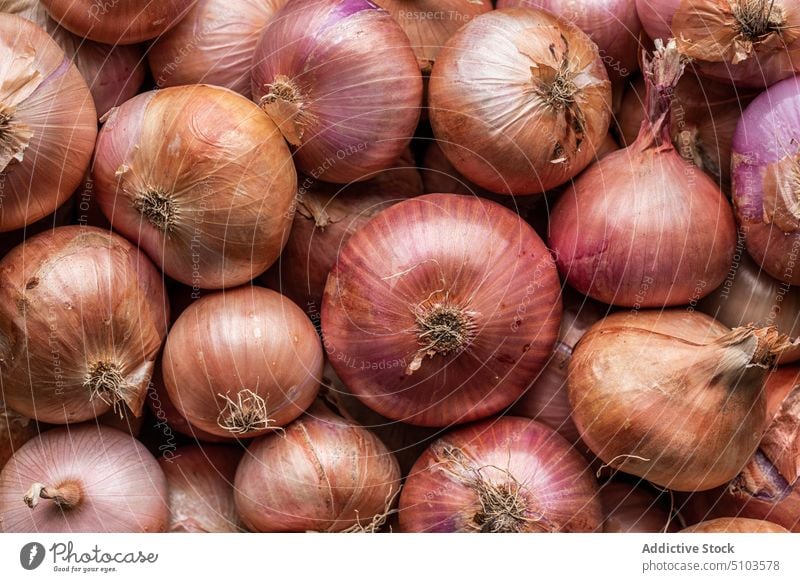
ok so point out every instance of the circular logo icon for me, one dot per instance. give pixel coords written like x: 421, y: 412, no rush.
x: 31, y: 555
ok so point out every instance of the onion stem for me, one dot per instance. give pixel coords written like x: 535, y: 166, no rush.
x: 246, y: 414
x: 66, y: 496
x: 662, y: 72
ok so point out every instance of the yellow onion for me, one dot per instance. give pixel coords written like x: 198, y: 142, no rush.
x: 48, y: 124
x: 735, y: 525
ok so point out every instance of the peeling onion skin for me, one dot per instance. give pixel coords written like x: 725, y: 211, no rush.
x: 239, y: 343
x: 491, y: 116
x: 83, y: 315
x: 213, y: 44
x: 121, y: 487
x: 326, y: 474
x: 115, y: 22
x: 201, y: 179
x: 498, y: 459
x: 48, y: 124
x: 341, y: 82
x: 424, y: 262
x: 629, y: 509
x: 15, y: 431
x: 735, y: 525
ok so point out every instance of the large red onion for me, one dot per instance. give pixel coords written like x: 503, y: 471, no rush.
x: 628, y: 509
x: 339, y: 78
x: 643, y: 227
x: 519, y: 101
x: 48, y: 124
x: 428, y: 323
x: 83, y: 479
x: 500, y: 476
x: 15, y: 431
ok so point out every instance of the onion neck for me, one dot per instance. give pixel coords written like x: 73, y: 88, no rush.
x: 757, y: 19
x: 159, y: 208
x: 287, y: 106
x: 662, y: 72
x: 68, y: 495
x: 442, y: 328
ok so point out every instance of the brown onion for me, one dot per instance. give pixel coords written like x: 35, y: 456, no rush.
x: 781, y: 442
x: 15, y: 431
x: 629, y: 509
x: 200, y: 483
x: 118, y: 22
x: 213, y: 44
x: 48, y: 124
x: 82, y: 318
x: 428, y: 323
x: 674, y: 396
x: 202, y: 179
x: 325, y: 474
x: 83, y: 479
x: 61, y: 217
x: 735, y: 525
x: 242, y: 362
x: 500, y: 476
x: 519, y: 101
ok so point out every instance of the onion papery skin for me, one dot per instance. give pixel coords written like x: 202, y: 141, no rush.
x: 511, y: 116
x: 736, y: 503
x: 613, y: 25
x: 347, y: 102
x: 115, y: 22
x: 629, y: 509
x: 242, y: 362
x: 48, y: 124
x: 113, y: 73
x: 326, y: 474
x: 15, y: 431
x: 213, y: 44
x: 427, y: 324
x: 766, y: 170
x: 672, y: 396
x: 200, y: 484
x: 735, y: 525
x: 546, y: 485
x: 82, y: 318
x: 201, y: 179
x: 122, y: 488
x: 326, y: 216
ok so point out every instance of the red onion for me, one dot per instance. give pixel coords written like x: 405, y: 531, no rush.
x: 520, y: 101
x: 200, y: 483
x: 201, y: 179
x: 427, y: 323
x: 735, y: 525
x: 500, y: 476
x: 48, y: 124
x: 642, y: 227
x: 325, y: 474
x: 629, y: 509
x: 83, y: 479
x: 213, y: 44
x: 118, y: 22
x: 339, y: 78
x: 15, y: 431
x: 766, y: 170
x: 242, y: 362
x: 82, y: 318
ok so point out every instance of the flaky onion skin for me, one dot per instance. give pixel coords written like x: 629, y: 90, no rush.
x: 428, y: 323
x: 339, y: 78
x: 82, y: 318
x: 735, y: 525
x: 325, y: 474
x: 83, y: 479
x: 48, y: 124
x: 519, y: 101
x: 201, y: 179
x: 505, y: 475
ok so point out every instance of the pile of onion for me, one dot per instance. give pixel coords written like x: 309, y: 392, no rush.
x: 324, y: 474
x: 427, y: 323
x: 735, y: 525
x: 505, y: 475
x: 48, y: 124
x: 672, y: 396
x: 519, y: 101
x: 201, y: 179
x: 82, y: 319
x: 643, y: 227
x: 83, y: 479
x: 242, y: 362
x: 628, y: 509
x: 213, y: 44
x: 341, y: 82
x: 15, y: 431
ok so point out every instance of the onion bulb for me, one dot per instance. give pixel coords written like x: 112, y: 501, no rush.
x: 505, y: 475
x: 341, y: 82
x: 84, y: 479
x: 428, y: 324
x: 642, y: 227
x: 15, y: 431
x: 82, y: 319
x: 48, y: 124
x: 325, y: 474
x: 519, y: 101
x: 628, y: 509
x: 201, y: 179
x: 781, y: 442
x: 735, y: 525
